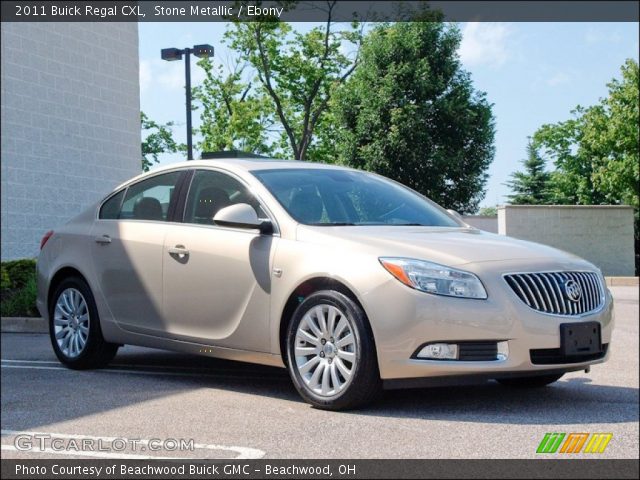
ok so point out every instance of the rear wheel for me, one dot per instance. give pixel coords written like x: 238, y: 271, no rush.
x: 331, y: 354
x: 74, y: 327
x: 530, y: 382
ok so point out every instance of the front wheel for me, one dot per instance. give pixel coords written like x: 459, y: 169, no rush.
x: 331, y: 353
x: 530, y: 382
x: 74, y: 327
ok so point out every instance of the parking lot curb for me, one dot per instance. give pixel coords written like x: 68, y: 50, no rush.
x: 621, y: 281
x: 23, y: 325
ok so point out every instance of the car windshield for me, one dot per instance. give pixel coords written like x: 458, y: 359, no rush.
x: 333, y: 197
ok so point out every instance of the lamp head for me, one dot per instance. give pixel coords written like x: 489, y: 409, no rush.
x: 171, y: 54
x: 203, y: 51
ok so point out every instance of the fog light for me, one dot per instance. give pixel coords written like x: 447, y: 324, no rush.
x: 440, y: 351
x: 503, y: 351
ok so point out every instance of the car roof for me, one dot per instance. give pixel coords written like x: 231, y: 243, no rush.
x: 235, y: 164
x: 255, y: 163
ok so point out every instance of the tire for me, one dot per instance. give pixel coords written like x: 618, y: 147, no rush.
x: 530, y: 382
x: 352, y: 379
x: 77, y: 302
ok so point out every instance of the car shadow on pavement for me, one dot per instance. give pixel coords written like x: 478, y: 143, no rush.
x: 570, y: 401
x: 32, y: 397
x: 573, y: 399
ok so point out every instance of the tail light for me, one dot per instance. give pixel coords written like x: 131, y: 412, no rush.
x: 45, y: 239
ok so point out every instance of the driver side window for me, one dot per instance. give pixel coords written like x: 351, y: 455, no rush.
x: 212, y: 191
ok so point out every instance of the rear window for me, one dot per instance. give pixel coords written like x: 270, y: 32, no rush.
x: 111, y: 208
x: 149, y: 199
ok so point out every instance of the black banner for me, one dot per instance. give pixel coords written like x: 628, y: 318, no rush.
x: 335, y: 469
x: 316, y: 11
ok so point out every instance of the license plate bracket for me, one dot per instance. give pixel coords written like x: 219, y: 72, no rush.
x: 580, y: 338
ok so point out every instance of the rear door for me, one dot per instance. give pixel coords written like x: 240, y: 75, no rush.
x: 127, y: 246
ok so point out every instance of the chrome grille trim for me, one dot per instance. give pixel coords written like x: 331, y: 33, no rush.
x: 545, y: 292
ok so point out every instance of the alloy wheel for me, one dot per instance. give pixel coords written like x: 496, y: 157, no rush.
x: 71, y: 322
x: 325, y: 350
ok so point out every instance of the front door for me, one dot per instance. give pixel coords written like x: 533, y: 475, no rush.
x: 217, y: 280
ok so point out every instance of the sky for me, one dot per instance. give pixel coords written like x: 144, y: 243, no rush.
x: 532, y: 73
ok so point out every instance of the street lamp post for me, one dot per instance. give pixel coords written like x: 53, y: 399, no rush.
x: 171, y: 54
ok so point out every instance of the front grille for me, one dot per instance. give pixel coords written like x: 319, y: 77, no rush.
x: 555, y: 292
x: 550, y: 356
x: 477, y: 351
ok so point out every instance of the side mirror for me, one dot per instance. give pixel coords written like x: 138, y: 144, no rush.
x: 242, y: 215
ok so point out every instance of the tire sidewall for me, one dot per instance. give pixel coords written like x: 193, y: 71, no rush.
x: 95, y: 335
x: 363, y: 342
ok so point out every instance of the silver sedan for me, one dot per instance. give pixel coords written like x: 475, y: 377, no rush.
x: 350, y: 280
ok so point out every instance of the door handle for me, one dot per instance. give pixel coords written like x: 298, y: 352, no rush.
x: 179, y: 250
x: 103, y: 239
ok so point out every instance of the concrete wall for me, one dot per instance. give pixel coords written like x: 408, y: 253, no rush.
x: 602, y: 234
x: 70, y: 123
x: 482, y: 222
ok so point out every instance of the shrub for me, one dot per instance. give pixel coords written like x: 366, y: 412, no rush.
x: 5, y: 283
x: 18, y: 288
x: 19, y: 272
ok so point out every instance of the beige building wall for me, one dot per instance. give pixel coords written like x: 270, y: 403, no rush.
x: 482, y: 222
x: 70, y: 123
x: 601, y: 234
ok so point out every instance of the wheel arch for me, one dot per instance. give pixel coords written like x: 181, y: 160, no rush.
x: 302, y: 291
x: 60, y: 275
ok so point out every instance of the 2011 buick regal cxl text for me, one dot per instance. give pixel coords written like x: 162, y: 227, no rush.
x: 350, y: 280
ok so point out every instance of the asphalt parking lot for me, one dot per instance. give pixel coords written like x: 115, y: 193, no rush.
x: 235, y: 410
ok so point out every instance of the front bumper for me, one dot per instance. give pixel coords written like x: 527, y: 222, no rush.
x: 404, y: 319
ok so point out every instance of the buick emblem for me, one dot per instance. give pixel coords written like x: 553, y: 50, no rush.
x: 572, y: 290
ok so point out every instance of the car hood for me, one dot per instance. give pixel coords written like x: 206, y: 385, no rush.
x: 449, y: 246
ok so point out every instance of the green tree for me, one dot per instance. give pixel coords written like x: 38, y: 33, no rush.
x: 157, y: 139
x: 596, y: 152
x: 234, y: 114
x: 299, y: 72
x: 489, y: 211
x: 531, y: 187
x: 410, y: 112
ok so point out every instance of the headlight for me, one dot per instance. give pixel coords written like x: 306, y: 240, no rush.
x: 433, y: 278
